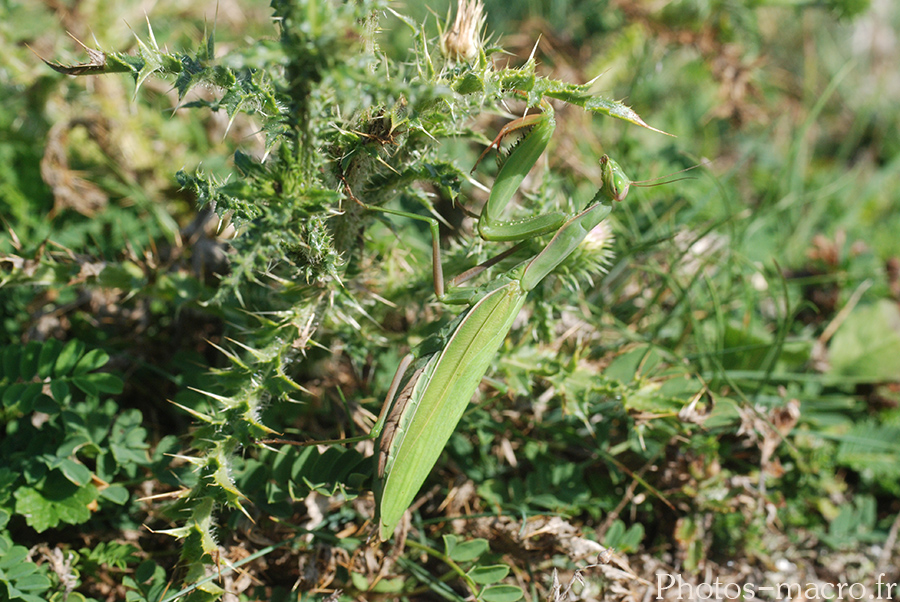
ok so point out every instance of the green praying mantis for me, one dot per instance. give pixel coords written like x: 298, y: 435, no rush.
x: 429, y: 394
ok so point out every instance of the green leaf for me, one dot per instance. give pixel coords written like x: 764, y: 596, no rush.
x: 450, y: 542
x: 86, y: 385
x: 107, y: 382
x: 60, y: 391
x: 49, y: 352
x: 111, y: 553
x: 11, y: 556
x: 146, y: 571
x: 54, y: 501
x: 12, y: 394
x: 485, y: 575
x: 501, y: 593
x: 29, y: 396
x: 873, y: 450
x: 622, y: 538
x: 867, y: 345
x: 98, y: 382
x: 21, y: 396
x: 20, y: 575
x: 11, y: 361
x: 149, y: 583
x: 68, y: 357
x: 7, y: 479
x: 76, y: 472
x: 92, y: 360
x: 74, y: 442
x: 45, y: 404
x: 115, y: 493
x: 32, y: 582
x: 469, y: 550
x: 128, y: 439
x: 359, y: 581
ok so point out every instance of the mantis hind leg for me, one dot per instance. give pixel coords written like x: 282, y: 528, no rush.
x: 376, y: 429
x: 437, y: 269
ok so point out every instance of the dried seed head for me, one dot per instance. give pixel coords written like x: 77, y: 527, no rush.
x: 463, y: 41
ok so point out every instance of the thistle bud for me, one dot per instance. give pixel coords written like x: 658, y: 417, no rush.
x: 599, y: 239
x: 463, y: 41
x: 596, y: 248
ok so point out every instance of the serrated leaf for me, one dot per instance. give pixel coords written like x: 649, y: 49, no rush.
x: 580, y: 96
x: 55, y: 501
x: 469, y: 550
x: 485, y: 575
x: 68, y: 357
x: 501, y: 593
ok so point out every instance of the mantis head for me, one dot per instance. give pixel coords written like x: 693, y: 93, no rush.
x: 615, y: 182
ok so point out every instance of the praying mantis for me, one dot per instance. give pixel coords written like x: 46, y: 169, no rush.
x: 428, y: 395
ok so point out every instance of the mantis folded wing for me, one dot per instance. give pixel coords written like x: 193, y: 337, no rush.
x: 431, y: 405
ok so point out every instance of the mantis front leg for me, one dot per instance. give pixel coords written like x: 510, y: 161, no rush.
x: 510, y: 177
x: 614, y: 184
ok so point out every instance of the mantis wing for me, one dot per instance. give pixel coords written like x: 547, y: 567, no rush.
x: 434, y: 399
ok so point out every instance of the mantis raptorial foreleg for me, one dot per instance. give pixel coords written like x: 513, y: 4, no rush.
x: 510, y: 177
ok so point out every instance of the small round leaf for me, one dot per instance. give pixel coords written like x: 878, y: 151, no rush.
x: 469, y: 550
x: 485, y: 575
x: 501, y: 593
